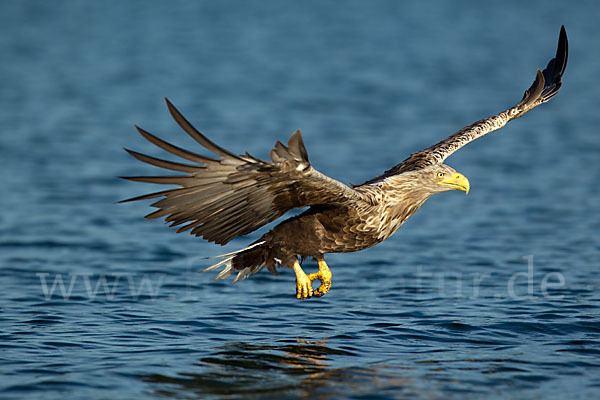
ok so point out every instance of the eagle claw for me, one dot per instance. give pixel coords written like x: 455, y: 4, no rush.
x: 304, y: 288
x: 324, y: 276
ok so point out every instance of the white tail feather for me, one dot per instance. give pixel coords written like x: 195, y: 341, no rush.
x: 217, y: 265
x: 228, y: 270
x: 247, y: 272
x: 233, y: 253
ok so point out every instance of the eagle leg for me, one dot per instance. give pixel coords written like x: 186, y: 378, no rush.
x: 303, y: 283
x: 324, y: 275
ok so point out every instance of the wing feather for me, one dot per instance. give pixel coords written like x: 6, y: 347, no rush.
x: 222, y: 198
x: 544, y: 87
x: 197, y: 136
x: 173, y: 166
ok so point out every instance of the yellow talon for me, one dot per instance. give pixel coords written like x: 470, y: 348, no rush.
x: 303, y: 283
x: 324, y: 275
x: 304, y: 288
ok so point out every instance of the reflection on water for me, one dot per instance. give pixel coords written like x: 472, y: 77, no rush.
x: 299, y: 368
x: 304, y: 368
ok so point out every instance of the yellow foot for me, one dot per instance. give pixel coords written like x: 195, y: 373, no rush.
x: 303, y: 283
x: 324, y: 275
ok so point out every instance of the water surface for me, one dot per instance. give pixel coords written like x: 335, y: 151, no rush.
x: 494, y: 295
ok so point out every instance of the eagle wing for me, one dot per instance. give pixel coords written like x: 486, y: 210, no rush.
x: 544, y: 87
x: 222, y: 198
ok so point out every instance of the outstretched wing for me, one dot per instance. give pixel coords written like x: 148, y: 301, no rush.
x: 221, y: 198
x: 544, y: 87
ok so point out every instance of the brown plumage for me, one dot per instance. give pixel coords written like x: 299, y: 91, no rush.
x: 232, y: 195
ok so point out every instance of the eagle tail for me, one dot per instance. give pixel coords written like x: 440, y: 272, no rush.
x: 245, y: 262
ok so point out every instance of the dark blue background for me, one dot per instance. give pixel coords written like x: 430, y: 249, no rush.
x: 368, y: 83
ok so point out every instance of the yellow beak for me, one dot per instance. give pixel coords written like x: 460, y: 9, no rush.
x: 456, y: 181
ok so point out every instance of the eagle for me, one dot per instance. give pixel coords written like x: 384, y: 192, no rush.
x: 227, y: 195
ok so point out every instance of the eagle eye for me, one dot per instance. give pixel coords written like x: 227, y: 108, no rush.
x: 440, y: 175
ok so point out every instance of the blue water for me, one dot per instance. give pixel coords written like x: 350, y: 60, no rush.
x: 491, y: 295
